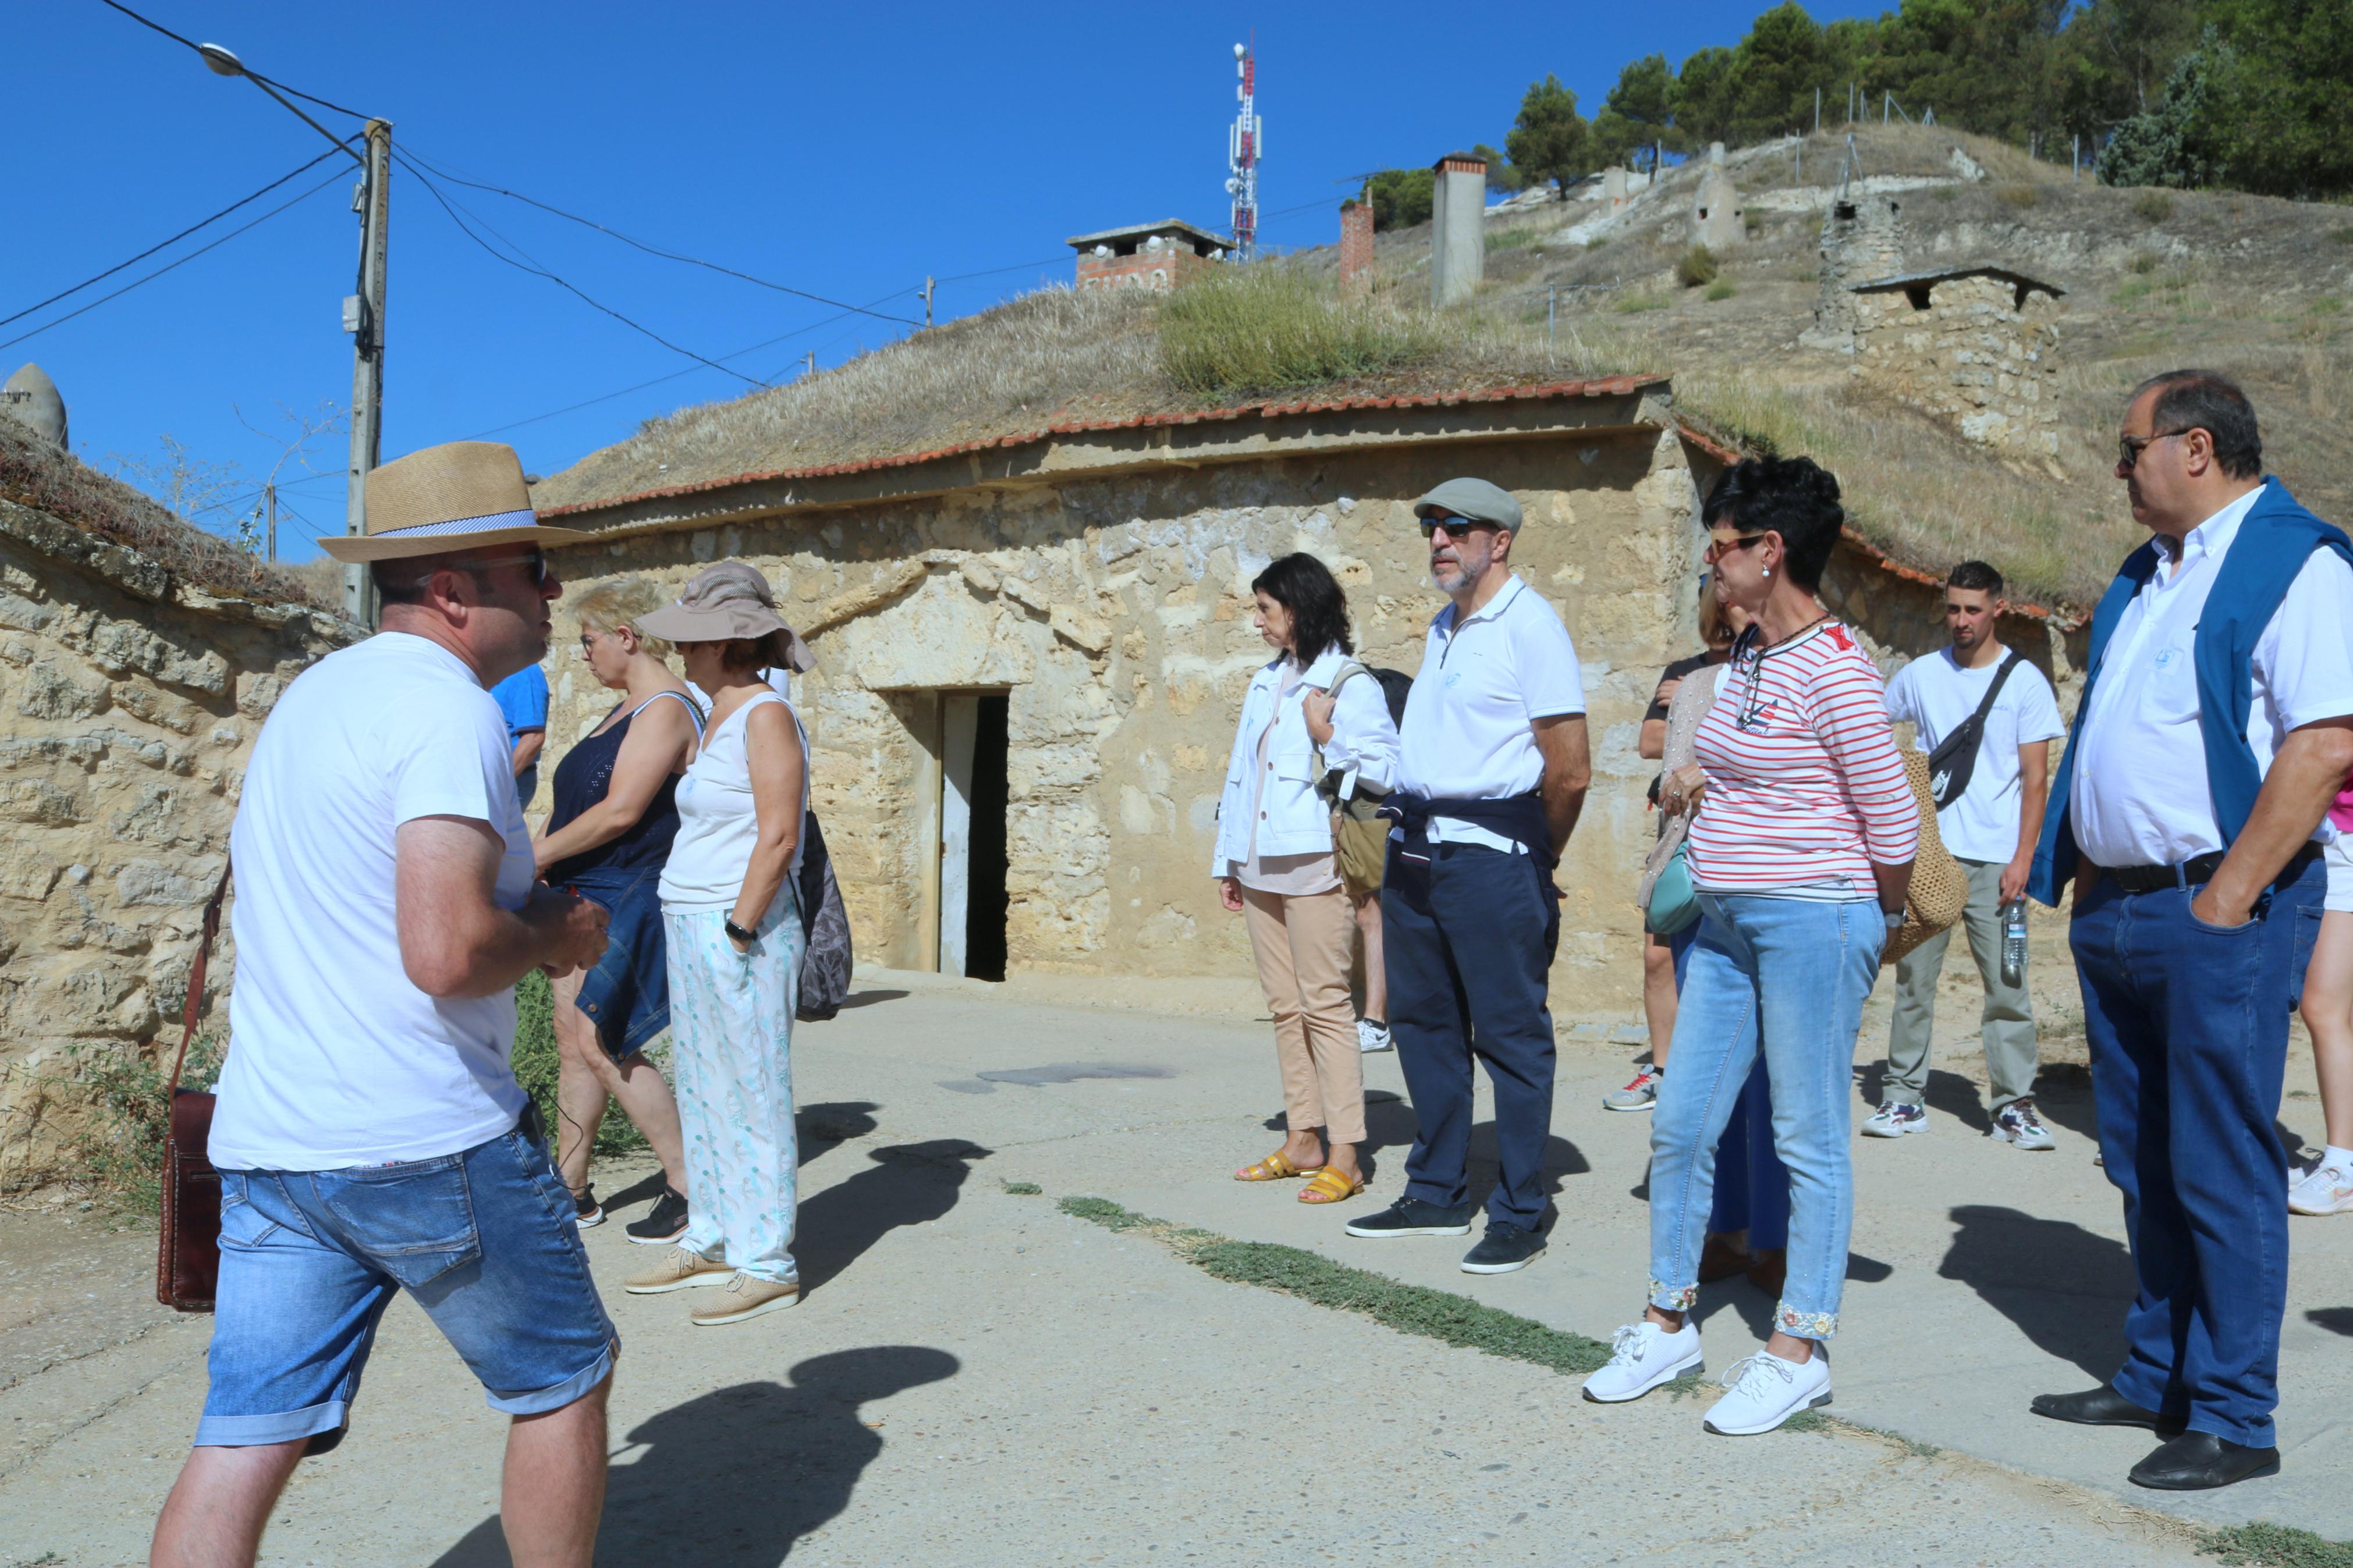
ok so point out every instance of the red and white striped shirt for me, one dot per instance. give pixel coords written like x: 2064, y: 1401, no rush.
x: 1805, y: 789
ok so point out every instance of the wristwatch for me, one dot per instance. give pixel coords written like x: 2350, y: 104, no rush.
x: 737, y: 933
x: 1895, y: 918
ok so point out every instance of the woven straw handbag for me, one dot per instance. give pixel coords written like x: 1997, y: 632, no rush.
x: 1940, y: 889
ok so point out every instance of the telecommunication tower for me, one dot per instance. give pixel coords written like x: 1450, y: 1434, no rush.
x: 1245, y: 145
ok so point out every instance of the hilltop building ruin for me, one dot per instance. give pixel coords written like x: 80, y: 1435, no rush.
x: 1159, y: 256
x: 1975, y: 345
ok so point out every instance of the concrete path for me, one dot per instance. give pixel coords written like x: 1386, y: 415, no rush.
x: 976, y: 1378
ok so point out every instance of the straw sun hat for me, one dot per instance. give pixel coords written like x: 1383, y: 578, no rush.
x: 725, y: 603
x: 461, y: 495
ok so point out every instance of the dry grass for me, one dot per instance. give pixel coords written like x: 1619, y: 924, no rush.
x: 35, y: 474
x: 1272, y: 329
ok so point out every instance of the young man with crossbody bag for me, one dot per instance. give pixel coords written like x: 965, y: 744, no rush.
x: 1987, y: 719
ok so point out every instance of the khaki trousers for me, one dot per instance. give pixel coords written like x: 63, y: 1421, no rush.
x: 2007, y: 1023
x: 1302, y: 945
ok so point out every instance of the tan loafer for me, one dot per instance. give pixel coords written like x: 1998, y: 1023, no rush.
x: 747, y: 1297
x: 677, y: 1270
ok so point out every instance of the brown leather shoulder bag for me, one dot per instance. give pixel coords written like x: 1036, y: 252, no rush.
x: 187, y: 1250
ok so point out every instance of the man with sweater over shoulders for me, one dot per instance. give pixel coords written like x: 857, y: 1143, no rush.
x: 2215, y: 730
x: 1493, y: 773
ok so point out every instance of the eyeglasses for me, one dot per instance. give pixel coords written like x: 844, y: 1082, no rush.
x: 2130, y: 447
x: 536, y: 560
x: 588, y: 639
x: 1456, y: 527
x: 1717, y: 548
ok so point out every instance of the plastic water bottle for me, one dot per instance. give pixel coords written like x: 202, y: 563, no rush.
x: 2013, y: 943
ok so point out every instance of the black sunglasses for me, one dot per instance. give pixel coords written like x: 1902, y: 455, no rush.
x: 1456, y: 527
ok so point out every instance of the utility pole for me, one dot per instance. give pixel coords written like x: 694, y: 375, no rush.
x: 363, y: 319
x: 812, y: 362
x: 926, y: 293
x: 1817, y: 111
x: 270, y: 503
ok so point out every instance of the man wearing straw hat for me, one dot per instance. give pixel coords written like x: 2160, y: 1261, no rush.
x: 369, y: 1134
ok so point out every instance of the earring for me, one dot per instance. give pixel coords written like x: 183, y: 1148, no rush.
x: 1768, y: 570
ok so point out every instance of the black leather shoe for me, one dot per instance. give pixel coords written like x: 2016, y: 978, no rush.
x: 1411, y: 1217
x: 2198, y: 1461
x: 2102, y: 1407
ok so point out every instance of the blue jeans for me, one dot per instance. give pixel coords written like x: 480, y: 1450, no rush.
x: 2187, y: 1025
x: 1752, y: 1185
x: 1466, y: 941
x: 1786, y: 977
x: 485, y: 1241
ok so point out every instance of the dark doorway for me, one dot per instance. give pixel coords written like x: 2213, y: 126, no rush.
x: 985, y: 901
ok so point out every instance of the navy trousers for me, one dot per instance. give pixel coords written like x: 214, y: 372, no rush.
x: 2188, y: 1024
x: 1467, y: 939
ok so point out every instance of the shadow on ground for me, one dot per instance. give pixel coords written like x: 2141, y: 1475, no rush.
x: 1948, y: 1093
x: 738, y: 1477
x: 909, y: 1184
x: 2065, y: 1287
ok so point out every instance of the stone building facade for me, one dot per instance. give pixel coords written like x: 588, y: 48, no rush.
x: 1091, y: 586
x: 1975, y: 346
x: 130, y: 697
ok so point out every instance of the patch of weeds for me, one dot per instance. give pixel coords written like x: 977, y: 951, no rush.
x: 1023, y: 1189
x: 2145, y: 262
x: 1690, y: 1386
x: 2342, y: 236
x: 1598, y: 241
x: 1264, y: 328
x: 2021, y: 196
x: 2327, y: 305
x: 2274, y: 1546
x: 1102, y: 1212
x: 2137, y: 289
x: 1721, y: 289
x: 1810, y: 1420
x: 1944, y: 193
x: 43, y: 1560
x: 537, y: 1065
x: 1511, y: 240
x: 1697, y: 265
x: 120, y: 1144
x: 1631, y: 304
x: 2152, y: 206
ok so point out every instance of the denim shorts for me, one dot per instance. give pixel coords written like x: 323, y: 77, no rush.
x: 485, y: 1241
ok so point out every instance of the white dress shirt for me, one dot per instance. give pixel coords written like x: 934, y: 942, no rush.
x: 1482, y: 684
x: 2140, y: 795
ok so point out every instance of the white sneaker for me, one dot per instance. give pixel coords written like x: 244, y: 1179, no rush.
x: 1372, y: 1037
x: 2016, y: 1124
x: 1642, y: 1356
x: 2328, y: 1190
x: 1767, y: 1391
x: 1894, y: 1118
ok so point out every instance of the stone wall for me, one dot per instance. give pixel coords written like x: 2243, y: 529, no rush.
x: 128, y: 700
x: 1115, y: 613
x: 1976, y: 355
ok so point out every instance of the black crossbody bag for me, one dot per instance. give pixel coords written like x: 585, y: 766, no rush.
x: 1955, y: 759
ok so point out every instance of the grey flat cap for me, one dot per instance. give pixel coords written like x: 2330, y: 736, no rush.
x: 1475, y: 499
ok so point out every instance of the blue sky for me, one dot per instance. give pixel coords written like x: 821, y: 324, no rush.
x: 846, y: 150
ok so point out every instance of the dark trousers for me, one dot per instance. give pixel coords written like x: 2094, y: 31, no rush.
x: 1467, y: 939
x: 2188, y: 1024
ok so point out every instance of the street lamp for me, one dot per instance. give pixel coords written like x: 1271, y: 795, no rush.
x: 363, y: 314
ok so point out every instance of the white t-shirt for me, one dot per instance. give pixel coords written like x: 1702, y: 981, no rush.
x: 2140, y: 795
x: 1937, y: 695
x: 334, y: 1058
x: 717, y: 826
x: 1480, y: 686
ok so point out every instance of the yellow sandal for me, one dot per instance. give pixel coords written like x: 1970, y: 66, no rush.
x: 1329, y: 1186
x: 1275, y: 1167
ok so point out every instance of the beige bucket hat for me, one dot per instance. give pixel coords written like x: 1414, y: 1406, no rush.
x: 721, y: 604
x: 460, y: 495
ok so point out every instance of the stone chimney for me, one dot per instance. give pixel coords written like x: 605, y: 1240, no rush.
x: 1863, y: 240
x: 31, y: 399
x: 1458, y: 228
x: 1357, y: 248
x: 1718, y: 220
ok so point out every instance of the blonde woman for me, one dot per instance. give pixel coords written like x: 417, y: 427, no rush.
x: 735, y: 940
x: 607, y: 839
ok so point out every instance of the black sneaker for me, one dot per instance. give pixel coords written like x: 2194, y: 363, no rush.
x: 665, y: 1222
x: 586, y: 1209
x: 1504, y: 1248
x: 1411, y: 1217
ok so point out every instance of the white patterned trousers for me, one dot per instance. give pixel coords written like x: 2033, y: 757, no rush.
x: 730, y: 1018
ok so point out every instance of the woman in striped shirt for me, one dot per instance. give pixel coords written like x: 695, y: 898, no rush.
x: 1802, y: 853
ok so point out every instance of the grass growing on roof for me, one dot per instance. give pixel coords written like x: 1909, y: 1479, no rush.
x: 1410, y: 1309
x: 1265, y: 328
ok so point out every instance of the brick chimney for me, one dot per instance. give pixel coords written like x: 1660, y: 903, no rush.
x: 1357, y: 248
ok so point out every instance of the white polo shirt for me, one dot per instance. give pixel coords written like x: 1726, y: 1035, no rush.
x: 1937, y: 696
x: 2140, y: 795
x: 1481, y: 686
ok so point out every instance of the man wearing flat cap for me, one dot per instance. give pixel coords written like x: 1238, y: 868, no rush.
x: 369, y: 1134
x: 1493, y: 774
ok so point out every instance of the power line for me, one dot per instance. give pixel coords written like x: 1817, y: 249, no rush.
x: 192, y: 45
x: 161, y: 245
x: 531, y: 265
x: 167, y: 267
x: 653, y: 250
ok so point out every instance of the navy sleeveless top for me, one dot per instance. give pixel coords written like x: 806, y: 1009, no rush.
x: 581, y: 780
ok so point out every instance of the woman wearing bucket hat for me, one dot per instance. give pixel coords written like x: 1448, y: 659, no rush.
x: 735, y: 938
